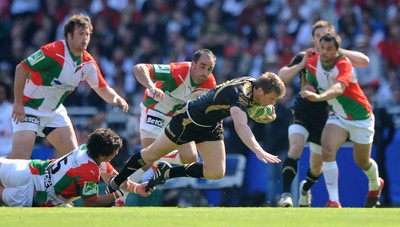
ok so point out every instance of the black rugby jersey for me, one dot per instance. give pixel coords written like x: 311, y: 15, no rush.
x: 212, y: 107
x: 305, y: 106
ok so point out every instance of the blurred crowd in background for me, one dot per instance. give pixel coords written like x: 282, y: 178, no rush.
x: 247, y: 36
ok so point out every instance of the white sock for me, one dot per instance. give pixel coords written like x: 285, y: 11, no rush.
x: 373, y: 176
x: 172, y: 157
x: 331, y: 176
x: 137, y: 175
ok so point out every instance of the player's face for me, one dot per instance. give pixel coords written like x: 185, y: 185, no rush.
x: 318, y: 33
x: 265, y: 99
x: 109, y: 158
x: 328, y: 52
x: 79, y: 40
x: 202, y: 69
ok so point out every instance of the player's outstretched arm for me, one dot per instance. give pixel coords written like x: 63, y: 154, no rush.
x: 358, y: 59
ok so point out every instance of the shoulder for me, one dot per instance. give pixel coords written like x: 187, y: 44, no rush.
x: 51, y: 49
x: 87, y: 57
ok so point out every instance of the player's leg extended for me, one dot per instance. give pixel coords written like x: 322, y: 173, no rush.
x: 297, y: 139
x: 362, y: 139
x: 161, y: 146
x: 212, y: 167
x: 333, y: 136
x: 312, y: 175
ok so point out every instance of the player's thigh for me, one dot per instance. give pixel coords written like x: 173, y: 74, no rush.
x: 145, y: 142
x: 23, y: 142
x: 161, y: 146
x: 188, y: 152
x: 63, y: 139
x: 333, y: 136
x: 213, y: 155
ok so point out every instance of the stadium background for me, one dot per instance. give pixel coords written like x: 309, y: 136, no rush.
x: 248, y: 37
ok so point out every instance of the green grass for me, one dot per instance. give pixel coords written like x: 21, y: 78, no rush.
x: 205, y: 216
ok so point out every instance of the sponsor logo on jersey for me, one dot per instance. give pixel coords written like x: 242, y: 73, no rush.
x: 63, y: 86
x: 155, y: 121
x: 90, y: 188
x: 36, y: 57
x: 162, y: 69
x: 32, y: 119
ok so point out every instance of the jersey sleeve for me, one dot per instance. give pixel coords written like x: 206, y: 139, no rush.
x: 311, y: 70
x: 43, y: 58
x: 160, y: 72
x: 297, y: 59
x: 88, y: 182
x: 92, y: 72
x: 345, y: 70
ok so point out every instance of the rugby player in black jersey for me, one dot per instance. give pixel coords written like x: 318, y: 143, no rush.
x: 200, y: 120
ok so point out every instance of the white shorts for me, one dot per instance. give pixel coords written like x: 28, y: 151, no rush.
x: 152, y: 123
x: 17, y: 179
x: 360, y: 131
x: 37, y: 120
x: 299, y: 129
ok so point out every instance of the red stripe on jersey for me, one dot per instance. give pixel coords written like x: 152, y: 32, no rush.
x: 110, y: 168
x: 86, y: 57
x: 37, y: 80
x: 345, y: 70
x: 312, y: 61
x: 180, y: 69
x: 34, y: 170
x: 151, y: 71
x: 53, y: 49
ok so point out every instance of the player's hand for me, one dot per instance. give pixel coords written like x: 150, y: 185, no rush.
x: 18, y: 114
x: 120, y: 102
x: 312, y: 96
x: 137, y: 188
x: 309, y: 53
x: 267, y: 157
x: 157, y: 93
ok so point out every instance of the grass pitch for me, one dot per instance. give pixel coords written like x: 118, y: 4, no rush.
x: 204, y: 216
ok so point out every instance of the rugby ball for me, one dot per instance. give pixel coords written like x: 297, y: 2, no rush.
x: 258, y: 112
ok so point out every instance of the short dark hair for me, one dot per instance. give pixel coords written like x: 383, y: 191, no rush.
x: 103, y: 142
x: 332, y: 37
x: 77, y: 21
x: 323, y: 24
x: 201, y: 52
x: 270, y: 82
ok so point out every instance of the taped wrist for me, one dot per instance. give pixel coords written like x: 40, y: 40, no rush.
x: 135, y: 188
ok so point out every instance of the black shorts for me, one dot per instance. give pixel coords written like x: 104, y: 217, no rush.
x: 181, y: 130
x: 312, y: 116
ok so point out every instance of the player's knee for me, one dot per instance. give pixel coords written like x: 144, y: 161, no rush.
x: 214, y: 175
x: 295, y: 150
x: 186, y: 159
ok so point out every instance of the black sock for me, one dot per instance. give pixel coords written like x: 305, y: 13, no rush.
x: 310, y: 181
x: 134, y: 163
x: 194, y: 170
x: 289, y: 173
